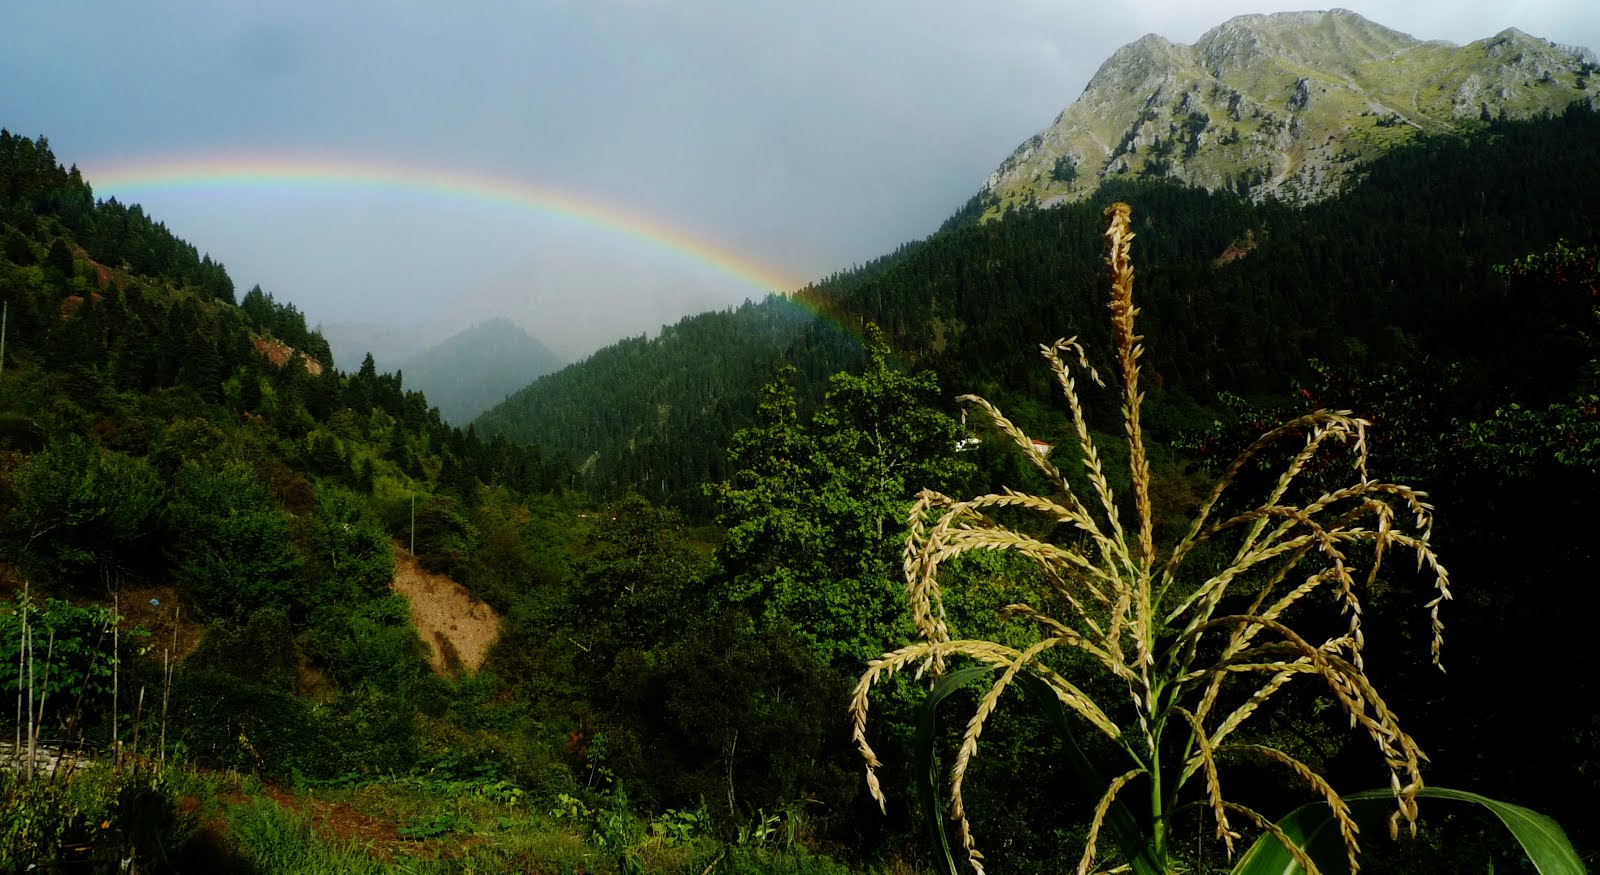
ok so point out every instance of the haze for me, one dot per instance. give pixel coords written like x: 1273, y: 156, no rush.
x: 801, y: 137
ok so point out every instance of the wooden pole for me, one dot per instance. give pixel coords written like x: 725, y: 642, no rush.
x: 22, y: 662
x: 33, y: 735
x: 116, y: 666
x: 167, y: 661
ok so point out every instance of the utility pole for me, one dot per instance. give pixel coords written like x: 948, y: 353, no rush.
x: 5, y: 311
x: 413, y: 524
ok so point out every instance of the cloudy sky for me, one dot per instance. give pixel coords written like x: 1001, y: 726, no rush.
x: 593, y: 168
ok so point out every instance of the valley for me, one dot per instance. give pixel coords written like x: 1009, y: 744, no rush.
x: 1222, y: 471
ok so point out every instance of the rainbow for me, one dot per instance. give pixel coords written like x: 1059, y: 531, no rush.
x: 133, y: 177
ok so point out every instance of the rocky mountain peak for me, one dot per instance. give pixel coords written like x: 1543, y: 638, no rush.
x: 1136, y: 63
x: 1288, y: 105
x: 1337, y: 36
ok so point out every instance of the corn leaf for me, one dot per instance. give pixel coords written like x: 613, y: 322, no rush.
x: 1315, y: 830
x: 928, y: 764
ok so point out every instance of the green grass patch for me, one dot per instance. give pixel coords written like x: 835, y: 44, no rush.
x: 274, y: 839
x: 449, y: 826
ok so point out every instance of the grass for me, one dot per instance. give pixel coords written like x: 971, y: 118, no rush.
x: 191, y: 820
x: 185, y: 819
x: 275, y: 839
x: 419, y: 825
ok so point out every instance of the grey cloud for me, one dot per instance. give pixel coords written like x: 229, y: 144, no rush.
x: 806, y: 135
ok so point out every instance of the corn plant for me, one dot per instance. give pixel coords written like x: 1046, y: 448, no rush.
x: 1193, y: 648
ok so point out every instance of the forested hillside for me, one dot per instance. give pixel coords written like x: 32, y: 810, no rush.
x: 196, y: 504
x: 198, y: 509
x: 1449, y: 298
x: 199, y: 466
x: 655, y: 414
x: 1245, y: 297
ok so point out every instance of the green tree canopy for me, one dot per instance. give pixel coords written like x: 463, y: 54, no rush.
x: 82, y: 513
x: 230, y: 548
x: 815, y: 511
x: 351, y: 557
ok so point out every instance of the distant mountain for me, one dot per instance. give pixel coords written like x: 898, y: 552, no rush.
x: 1288, y: 106
x: 476, y: 369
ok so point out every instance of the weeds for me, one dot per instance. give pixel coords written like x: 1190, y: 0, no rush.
x: 93, y: 820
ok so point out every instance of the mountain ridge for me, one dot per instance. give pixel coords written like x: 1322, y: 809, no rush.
x: 1287, y: 106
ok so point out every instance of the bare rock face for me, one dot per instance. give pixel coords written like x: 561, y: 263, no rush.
x: 1287, y: 106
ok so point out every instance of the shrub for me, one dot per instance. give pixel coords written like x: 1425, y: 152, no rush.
x: 96, y: 820
x: 231, y: 549
x: 226, y: 721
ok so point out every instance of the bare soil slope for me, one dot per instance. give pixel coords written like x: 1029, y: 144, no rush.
x: 457, y: 629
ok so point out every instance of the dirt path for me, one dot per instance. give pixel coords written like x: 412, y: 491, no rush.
x: 457, y: 629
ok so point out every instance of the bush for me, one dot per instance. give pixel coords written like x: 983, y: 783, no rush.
x: 92, y: 821
x: 351, y: 558
x: 82, y: 511
x: 370, y: 733
x: 260, y: 652
x: 72, y: 648
x: 729, y: 714
x: 226, y: 721
x: 231, y: 550
x: 371, y: 646
x: 445, y: 537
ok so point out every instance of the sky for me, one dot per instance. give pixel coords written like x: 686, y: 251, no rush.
x: 592, y: 169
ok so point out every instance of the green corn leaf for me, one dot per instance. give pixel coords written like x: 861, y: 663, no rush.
x: 1316, y: 830
x: 927, y: 763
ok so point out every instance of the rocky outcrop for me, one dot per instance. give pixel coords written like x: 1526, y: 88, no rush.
x: 1288, y: 106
